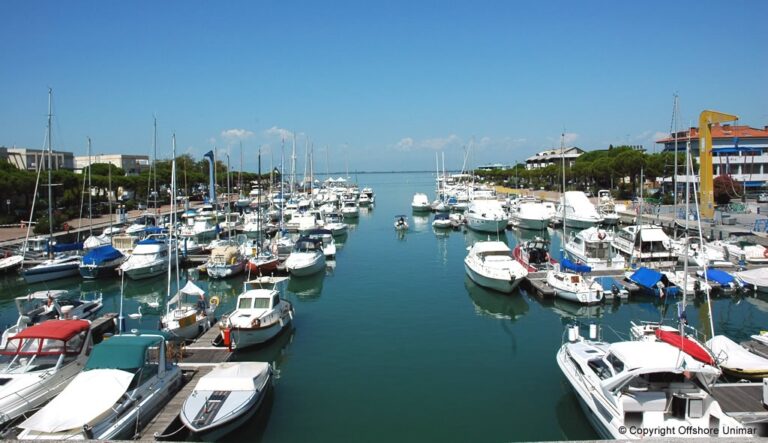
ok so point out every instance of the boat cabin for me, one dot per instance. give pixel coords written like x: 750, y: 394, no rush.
x: 50, y: 344
x: 308, y: 244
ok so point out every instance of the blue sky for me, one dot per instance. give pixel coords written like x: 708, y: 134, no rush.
x: 379, y: 85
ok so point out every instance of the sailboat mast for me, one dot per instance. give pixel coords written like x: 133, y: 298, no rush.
x: 171, y: 253
x: 109, y: 195
x: 562, y: 160
x: 154, y: 161
x: 687, y: 240
x: 229, y: 199
x: 240, y: 173
x: 50, y: 183
x: 293, y: 165
x: 90, y: 207
x: 674, y: 175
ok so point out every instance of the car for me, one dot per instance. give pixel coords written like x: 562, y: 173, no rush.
x: 763, y: 197
x: 141, y: 207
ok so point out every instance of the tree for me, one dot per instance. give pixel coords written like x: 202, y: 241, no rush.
x: 726, y: 188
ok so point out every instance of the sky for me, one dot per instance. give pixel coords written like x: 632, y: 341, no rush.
x: 374, y: 85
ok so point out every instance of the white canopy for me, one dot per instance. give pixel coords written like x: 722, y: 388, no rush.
x: 757, y: 277
x: 88, y: 396
x: 239, y: 376
x: 188, y: 289
x: 653, y: 234
x: 734, y: 356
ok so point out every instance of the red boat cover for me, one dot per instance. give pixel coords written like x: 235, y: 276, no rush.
x: 54, y: 329
x: 690, y: 347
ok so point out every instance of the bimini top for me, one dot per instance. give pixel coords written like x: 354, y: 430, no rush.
x: 54, y: 329
x: 125, y: 352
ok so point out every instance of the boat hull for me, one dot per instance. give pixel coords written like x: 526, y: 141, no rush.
x: 505, y: 286
x: 218, y: 432
x: 36, y: 275
x: 531, y: 224
x: 226, y: 271
x: 246, y: 337
x: 486, y: 225
x: 145, y: 272
x: 581, y: 224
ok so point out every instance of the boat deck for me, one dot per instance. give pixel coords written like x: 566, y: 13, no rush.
x: 742, y: 401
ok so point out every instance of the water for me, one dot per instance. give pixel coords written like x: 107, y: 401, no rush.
x: 395, y: 343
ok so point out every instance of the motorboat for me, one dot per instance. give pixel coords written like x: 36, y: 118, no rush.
x: 580, y: 213
x: 401, y: 223
x: 140, y: 225
x: 41, y: 306
x: 189, y: 314
x: 442, y: 221
x: 368, y: 191
x: 628, y: 387
x: 420, y: 202
x: 326, y: 237
x: 364, y: 200
x: 95, y: 241
x: 350, y: 209
x: 645, y: 244
x: 755, y: 279
x: 530, y: 215
x: 10, y: 263
x: 305, y: 221
x: 150, y: 257
x: 261, y: 314
x: 689, y: 283
x: 737, y: 361
x: 307, y: 257
x: 691, y: 250
x: 225, y: 399
x: 723, y: 280
x: 225, y: 261
x: 202, y: 228
x: 593, y: 247
x: 334, y: 222
x: 740, y: 248
x: 569, y: 283
x: 606, y: 207
x: 486, y: 216
x: 534, y: 254
x: 38, y: 362
x: 61, y: 266
x: 125, y: 382
x: 490, y: 264
x: 653, y: 283
x: 253, y: 223
x: 101, y: 261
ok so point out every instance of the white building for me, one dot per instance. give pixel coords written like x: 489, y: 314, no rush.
x: 131, y: 164
x: 553, y: 156
x: 30, y: 159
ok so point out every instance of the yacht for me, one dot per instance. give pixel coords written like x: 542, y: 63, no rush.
x: 350, y: 209
x: 690, y: 249
x: 534, y: 254
x: 201, y: 228
x: 490, y: 264
x: 569, y: 283
x: 307, y: 257
x: 401, y: 223
x: 606, y: 207
x: 261, y: 314
x: 420, y: 202
x: 61, y: 266
x: 150, y: 257
x: 580, y: 213
x: 646, y: 244
x: 740, y: 247
x: 530, y: 215
x: 326, y: 237
x: 225, y: 261
x: 144, y: 221
x: 593, y: 247
x: 334, y: 223
x: 486, y: 216
x: 101, y: 261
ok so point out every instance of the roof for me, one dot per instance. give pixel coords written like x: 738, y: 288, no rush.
x: 54, y: 329
x: 126, y: 352
x: 718, y: 131
x: 653, y: 234
x: 650, y: 354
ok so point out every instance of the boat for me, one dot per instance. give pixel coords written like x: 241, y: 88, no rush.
x: 189, y: 314
x: 442, y: 221
x: 736, y: 361
x: 593, y: 247
x: 334, y: 222
x: 691, y: 284
x: 568, y: 281
x: 260, y: 315
x: 262, y: 262
x: 629, y: 388
x: 698, y: 255
x: 486, y: 216
x: 580, y: 213
x: 755, y: 279
x: 101, y: 261
x: 420, y: 202
x: 653, y: 283
x: 225, y: 399
x: 364, y: 200
x: 53, y: 269
x: 646, y: 244
x: 41, y: 306
x: 10, y: 263
x: 725, y: 281
x: 225, y: 261
x: 490, y: 264
x: 150, y: 257
x: 739, y: 247
x: 350, y: 209
x: 202, y: 227
x: 401, y: 223
x: 326, y: 237
x: 125, y: 382
x: 655, y: 331
x: 141, y: 223
x: 38, y: 362
x: 530, y: 215
x: 606, y: 207
x: 534, y: 254
x: 307, y: 257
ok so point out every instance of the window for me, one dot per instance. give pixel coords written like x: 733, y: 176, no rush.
x: 245, y: 303
x: 261, y: 303
x: 617, y: 364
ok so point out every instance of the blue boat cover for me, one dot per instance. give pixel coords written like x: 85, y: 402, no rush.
x: 153, y: 230
x: 101, y: 254
x: 575, y: 267
x: 442, y: 216
x: 150, y: 241
x: 721, y: 277
x: 63, y: 247
x: 646, y: 277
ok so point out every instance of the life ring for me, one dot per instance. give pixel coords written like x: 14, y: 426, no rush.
x: 214, y: 301
x: 765, y: 253
x: 601, y: 235
x: 65, y: 226
x: 255, y: 323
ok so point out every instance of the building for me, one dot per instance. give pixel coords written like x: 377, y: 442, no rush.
x: 737, y: 150
x: 553, y: 156
x: 30, y: 159
x: 131, y: 164
x: 493, y: 167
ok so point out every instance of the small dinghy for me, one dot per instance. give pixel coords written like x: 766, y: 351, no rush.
x: 737, y: 361
x: 225, y: 398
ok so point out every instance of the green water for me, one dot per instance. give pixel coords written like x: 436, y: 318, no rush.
x: 396, y: 344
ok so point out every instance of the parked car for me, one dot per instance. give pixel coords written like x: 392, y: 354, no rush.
x: 763, y: 197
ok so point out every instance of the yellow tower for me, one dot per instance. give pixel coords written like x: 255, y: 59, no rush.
x: 706, y: 120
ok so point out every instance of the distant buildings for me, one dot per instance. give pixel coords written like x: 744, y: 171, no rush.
x: 494, y: 167
x: 30, y: 159
x: 739, y: 151
x: 131, y: 164
x: 553, y: 156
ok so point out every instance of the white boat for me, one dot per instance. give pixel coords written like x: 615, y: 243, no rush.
x: 534, y: 254
x: 573, y: 286
x: 334, y: 223
x: 10, y: 263
x: 305, y: 221
x: 628, y: 389
x: 326, y: 237
x: 530, y: 215
x: 401, y: 223
x: 260, y: 315
x: 486, y: 216
x: 225, y: 399
x: 60, y: 267
x: 443, y: 221
x: 150, y: 257
x: 737, y: 361
x: 692, y: 285
x: 41, y: 306
x: 709, y: 255
x: 350, y: 209
x: 307, y: 257
x: 225, y: 261
x: 32, y: 374
x: 593, y: 247
x: 646, y: 244
x: 580, y: 213
x: 101, y: 261
x: 364, y: 200
x: 420, y: 202
x: 125, y: 382
x: 757, y: 279
x: 189, y: 314
x: 490, y: 264
x: 606, y: 207
x: 738, y: 247
x: 140, y: 225
x: 202, y: 228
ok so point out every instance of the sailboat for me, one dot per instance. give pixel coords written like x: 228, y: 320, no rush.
x: 60, y: 266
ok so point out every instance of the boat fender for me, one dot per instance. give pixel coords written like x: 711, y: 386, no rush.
x: 765, y: 253
x: 215, y: 300
x: 601, y: 235
x: 255, y: 323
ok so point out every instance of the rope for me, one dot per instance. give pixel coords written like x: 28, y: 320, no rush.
x: 158, y: 435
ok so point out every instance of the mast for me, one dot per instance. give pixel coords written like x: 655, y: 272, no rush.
x: 240, y: 173
x: 154, y: 161
x: 674, y: 175
x: 171, y: 244
x: 258, y: 204
x: 90, y: 207
x: 50, y: 183
x: 293, y: 165
x: 229, y: 200
x: 687, y: 240
x: 109, y: 195
x: 562, y: 159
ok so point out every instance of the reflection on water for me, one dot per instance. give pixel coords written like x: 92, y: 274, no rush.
x: 273, y: 351
x: 420, y: 222
x: 307, y: 288
x: 471, y: 236
x: 340, y: 241
x: 495, y: 304
x: 574, y: 425
x: 570, y: 310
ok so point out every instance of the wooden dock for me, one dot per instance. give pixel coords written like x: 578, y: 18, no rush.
x: 742, y: 401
